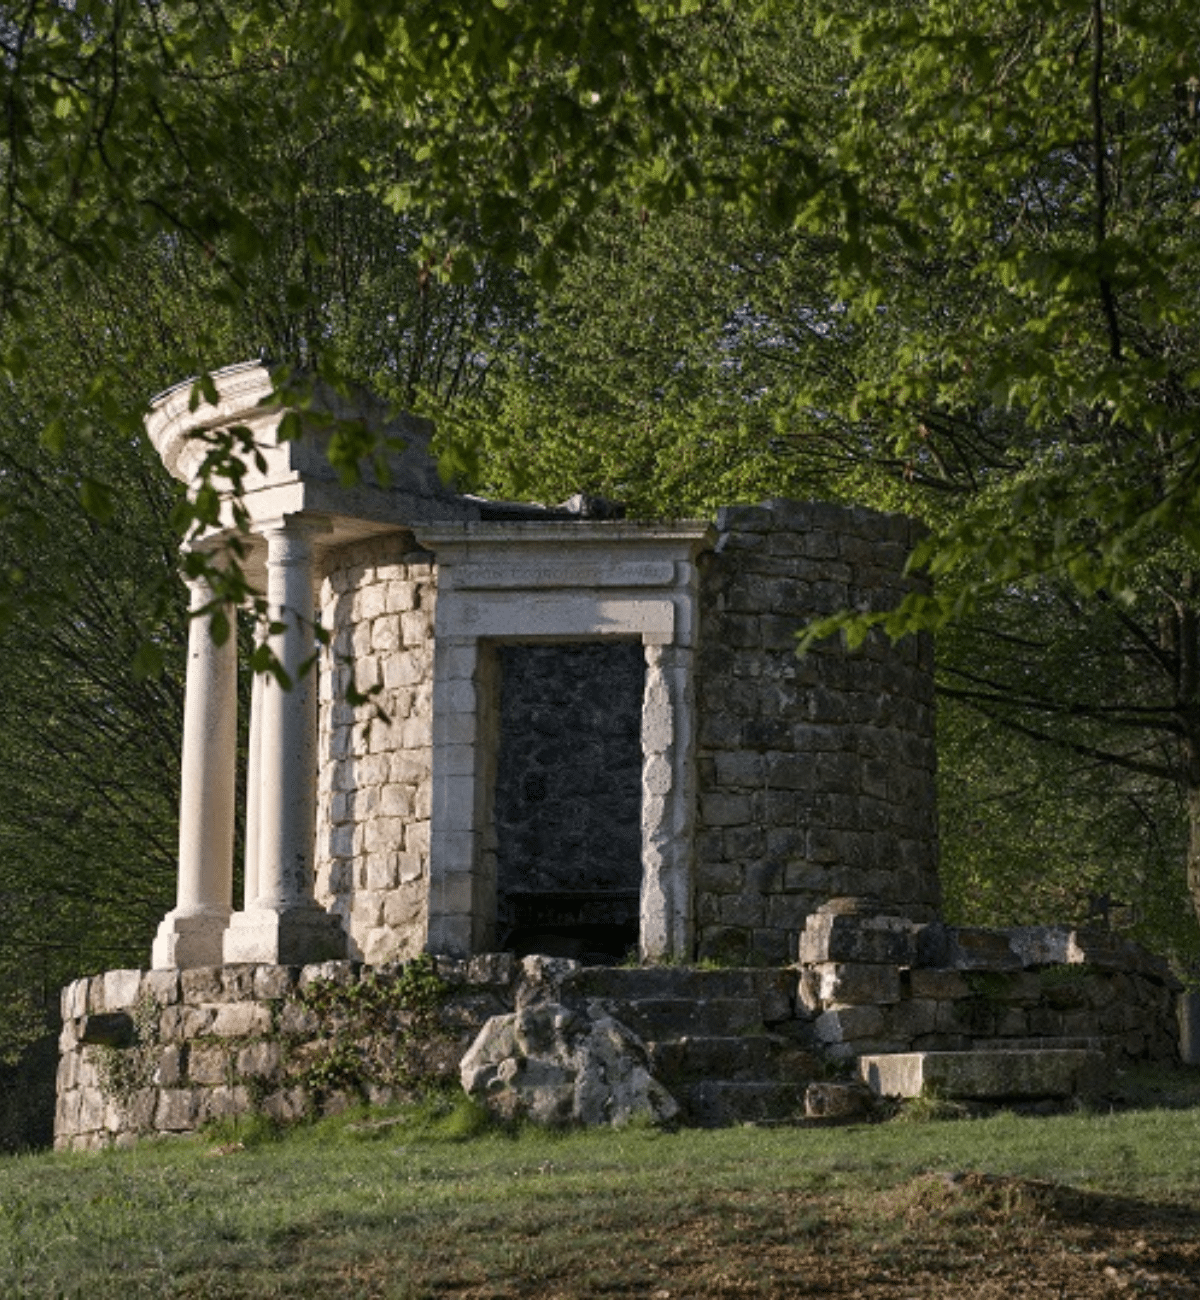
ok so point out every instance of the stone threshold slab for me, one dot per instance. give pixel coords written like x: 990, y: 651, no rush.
x: 983, y: 1075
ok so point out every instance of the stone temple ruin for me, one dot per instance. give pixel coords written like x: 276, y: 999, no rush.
x: 584, y: 740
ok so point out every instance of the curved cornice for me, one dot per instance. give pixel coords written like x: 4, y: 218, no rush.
x: 243, y: 393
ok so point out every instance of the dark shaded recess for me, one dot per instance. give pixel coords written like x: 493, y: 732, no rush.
x: 27, y: 1097
x: 568, y: 798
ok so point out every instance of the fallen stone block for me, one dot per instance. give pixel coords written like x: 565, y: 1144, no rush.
x: 554, y: 1065
x: 983, y: 1076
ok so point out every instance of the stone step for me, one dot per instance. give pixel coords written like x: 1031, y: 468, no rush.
x: 984, y: 1075
x: 718, y: 1103
x: 774, y: 988
x: 755, y: 1058
x: 661, y: 1019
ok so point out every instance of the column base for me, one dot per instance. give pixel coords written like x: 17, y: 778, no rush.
x: 295, y: 937
x: 185, y: 940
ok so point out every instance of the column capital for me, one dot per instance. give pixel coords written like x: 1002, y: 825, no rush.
x: 290, y: 538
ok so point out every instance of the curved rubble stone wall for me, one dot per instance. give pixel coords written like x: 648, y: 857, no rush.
x: 816, y: 776
x: 375, y: 770
x: 567, y: 804
x: 165, y: 1052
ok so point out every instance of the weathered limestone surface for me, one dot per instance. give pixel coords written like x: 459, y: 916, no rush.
x: 144, y: 1052
x: 817, y: 775
x: 559, y: 1065
x: 991, y: 1076
x: 879, y: 984
x: 379, y: 598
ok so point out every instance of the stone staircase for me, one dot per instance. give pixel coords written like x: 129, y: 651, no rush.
x: 728, y: 1044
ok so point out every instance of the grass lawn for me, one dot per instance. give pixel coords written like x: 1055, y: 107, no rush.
x: 428, y: 1203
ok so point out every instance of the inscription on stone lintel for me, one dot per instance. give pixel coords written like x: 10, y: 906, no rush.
x: 490, y: 576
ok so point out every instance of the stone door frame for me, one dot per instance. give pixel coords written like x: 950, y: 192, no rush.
x: 560, y: 582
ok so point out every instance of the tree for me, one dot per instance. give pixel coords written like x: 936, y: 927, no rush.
x: 1012, y: 356
x: 91, y: 671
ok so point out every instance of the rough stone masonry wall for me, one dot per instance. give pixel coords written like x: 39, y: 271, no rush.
x: 878, y: 984
x: 168, y: 1051
x: 816, y: 776
x: 375, y: 767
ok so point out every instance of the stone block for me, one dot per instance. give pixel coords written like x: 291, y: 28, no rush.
x: 879, y: 940
x: 258, y: 1060
x: 721, y: 809
x: 744, y: 519
x: 975, y: 948
x: 450, y: 934
x: 1040, y: 945
x: 369, y: 601
x: 771, y: 946
x: 181, y: 1023
x: 74, y: 999
x: 718, y: 877
x: 222, y: 1102
x: 176, y: 1110
x: 988, y: 1076
x: 340, y: 973
x: 121, y: 989
x: 241, y: 1020
x: 741, y: 910
x: 975, y: 1017
x: 940, y: 985
x: 92, y: 1107
x: 723, y: 943
x: 738, y: 769
x: 1011, y: 1022
x: 842, y: 984
x: 846, y: 1024
x: 494, y: 969
x: 403, y: 906
x: 172, y: 1066
x: 287, y: 1105
x: 297, y: 1021
x: 830, y: 1100
x: 416, y: 627
x: 788, y: 912
x: 401, y: 596
x: 379, y: 871
x: 774, y: 989
x: 161, y: 986
x: 272, y: 982
x: 208, y: 1063
x: 237, y: 982
x: 396, y: 800
x: 383, y: 944
x: 66, y: 1114
x: 743, y: 844
x: 201, y: 985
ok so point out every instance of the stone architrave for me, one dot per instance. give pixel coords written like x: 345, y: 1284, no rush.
x: 282, y: 924
x: 544, y: 582
x: 191, y: 933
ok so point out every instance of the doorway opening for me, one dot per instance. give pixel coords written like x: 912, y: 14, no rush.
x: 568, y: 797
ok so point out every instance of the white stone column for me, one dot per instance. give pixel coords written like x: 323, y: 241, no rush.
x: 191, y: 934
x: 282, y: 924
x: 668, y: 803
x: 253, y: 784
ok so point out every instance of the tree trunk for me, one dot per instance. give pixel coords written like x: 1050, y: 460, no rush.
x: 1193, y: 849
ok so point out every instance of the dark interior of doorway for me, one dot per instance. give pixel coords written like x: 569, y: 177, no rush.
x: 568, y: 799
